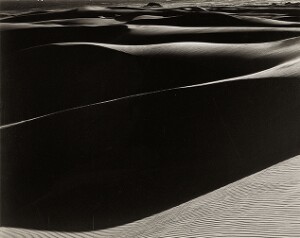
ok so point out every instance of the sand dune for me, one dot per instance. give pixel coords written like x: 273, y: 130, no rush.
x: 118, y: 113
x: 41, y: 33
x: 265, y: 204
x: 286, y: 70
x: 141, y: 69
x: 250, y: 124
x: 143, y: 26
x: 211, y: 19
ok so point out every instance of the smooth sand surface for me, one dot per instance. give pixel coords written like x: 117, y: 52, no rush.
x: 141, y: 68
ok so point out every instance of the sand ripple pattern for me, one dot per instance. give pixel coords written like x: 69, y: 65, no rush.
x: 266, y: 204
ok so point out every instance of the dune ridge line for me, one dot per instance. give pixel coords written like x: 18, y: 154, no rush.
x: 148, y: 93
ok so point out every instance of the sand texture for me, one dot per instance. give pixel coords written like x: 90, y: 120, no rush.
x: 265, y: 204
x: 128, y: 121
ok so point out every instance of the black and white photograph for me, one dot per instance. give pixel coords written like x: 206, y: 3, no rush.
x: 149, y: 119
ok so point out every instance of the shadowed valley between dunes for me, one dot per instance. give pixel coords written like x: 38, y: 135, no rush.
x: 110, y: 115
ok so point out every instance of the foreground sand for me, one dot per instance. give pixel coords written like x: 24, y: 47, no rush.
x: 266, y: 204
x: 111, y: 115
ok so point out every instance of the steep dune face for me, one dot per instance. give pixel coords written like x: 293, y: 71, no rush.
x: 107, y: 119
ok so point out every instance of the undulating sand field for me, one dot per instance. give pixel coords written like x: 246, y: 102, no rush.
x: 145, y: 121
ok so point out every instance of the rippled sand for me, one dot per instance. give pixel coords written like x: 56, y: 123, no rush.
x: 265, y: 204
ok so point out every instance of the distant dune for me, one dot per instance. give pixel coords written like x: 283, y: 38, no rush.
x: 113, y: 114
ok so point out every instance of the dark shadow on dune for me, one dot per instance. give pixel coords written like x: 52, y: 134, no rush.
x: 188, y: 16
x: 56, y: 77
x: 46, y: 27
x: 198, y: 19
x: 123, y: 161
x: 153, y: 4
x: 125, y: 13
x: 289, y: 18
x: 258, y: 9
x: 106, y: 165
x: 17, y: 39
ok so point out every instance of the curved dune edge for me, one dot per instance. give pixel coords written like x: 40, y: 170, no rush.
x: 146, y: 34
x: 187, y: 15
x: 289, y: 69
x: 278, y: 59
x: 265, y: 204
x: 286, y: 48
x: 242, y: 85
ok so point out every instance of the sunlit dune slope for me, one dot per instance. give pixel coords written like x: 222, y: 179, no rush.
x: 265, y: 204
x: 121, y: 159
